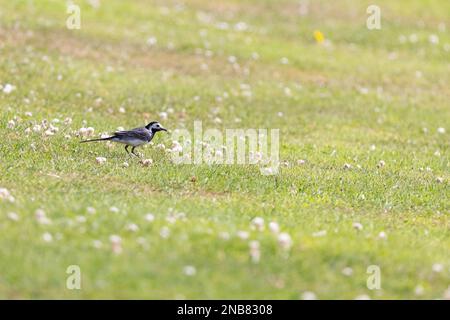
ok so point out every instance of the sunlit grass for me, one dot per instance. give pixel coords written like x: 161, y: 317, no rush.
x: 366, y: 112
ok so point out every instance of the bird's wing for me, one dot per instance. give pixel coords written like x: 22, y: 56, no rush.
x: 137, y: 133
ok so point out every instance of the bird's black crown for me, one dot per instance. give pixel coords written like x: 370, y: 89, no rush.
x: 151, y: 124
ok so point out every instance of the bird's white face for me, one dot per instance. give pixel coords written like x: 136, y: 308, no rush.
x: 157, y: 127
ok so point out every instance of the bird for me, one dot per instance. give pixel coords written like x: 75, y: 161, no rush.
x: 135, y: 137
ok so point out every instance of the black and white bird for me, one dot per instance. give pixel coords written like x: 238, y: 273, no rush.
x: 135, y: 137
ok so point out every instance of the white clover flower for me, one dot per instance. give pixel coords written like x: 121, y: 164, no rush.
x: 37, y: 128
x: 161, y: 146
x: 49, y: 132
x: 164, y: 232
x: 284, y: 60
x: 441, y: 130
x: 189, y: 271
x: 97, y: 244
x: 255, y: 55
x: 242, y: 235
x: 274, y: 227
x: 8, y: 88
x: 125, y: 164
x: 254, y: 245
x: 28, y: 114
x: 255, y: 253
x: 11, y: 124
x: 176, y: 147
x: 90, y: 210
x: 132, y: 227
x: 382, y: 235
x: 122, y: 110
x: 163, y: 115
x: 258, y: 223
x: 114, y: 209
x: 116, y: 243
x: 149, y: 217
x: 152, y: 41
x: 100, y: 160
x: 381, y: 164
x: 147, y: 162
x: 358, y: 226
x: 347, y: 271
x: 6, y: 195
x: 90, y: 131
x: 41, y: 217
x: 82, y: 132
x: 419, y: 290
x: 301, y: 162
x: 308, y: 295
x: 47, y: 237
x: 284, y: 240
x: 13, y: 216
x: 433, y: 39
x: 437, y: 267
x: 232, y: 59
x: 115, y: 239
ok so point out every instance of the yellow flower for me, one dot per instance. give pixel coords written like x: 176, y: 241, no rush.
x: 318, y: 36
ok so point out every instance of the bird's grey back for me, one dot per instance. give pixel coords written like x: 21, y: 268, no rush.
x: 136, y: 133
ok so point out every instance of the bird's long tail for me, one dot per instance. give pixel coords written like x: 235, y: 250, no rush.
x: 93, y: 140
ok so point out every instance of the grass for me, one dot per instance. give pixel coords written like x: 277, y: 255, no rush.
x: 365, y: 97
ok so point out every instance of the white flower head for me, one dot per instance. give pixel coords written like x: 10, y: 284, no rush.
x: 285, y: 240
x: 347, y: 271
x: 100, y: 160
x: 116, y: 243
x: 308, y: 295
x: 13, y: 216
x: 147, y: 162
x: 243, y: 235
x: 6, y: 195
x: 41, y: 217
x: 274, y: 227
x: 258, y: 223
x: 437, y: 267
x: 149, y: 217
x: 382, y: 235
x: 358, y: 226
x: 189, y: 271
x: 47, y: 237
x: 8, y: 88
x: 132, y: 227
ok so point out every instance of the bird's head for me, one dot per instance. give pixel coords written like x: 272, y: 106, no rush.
x: 155, y: 126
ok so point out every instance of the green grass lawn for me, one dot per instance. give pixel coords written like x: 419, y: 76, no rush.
x: 346, y: 106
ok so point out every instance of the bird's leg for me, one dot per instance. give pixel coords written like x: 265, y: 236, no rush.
x: 132, y: 151
x: 126, y: 149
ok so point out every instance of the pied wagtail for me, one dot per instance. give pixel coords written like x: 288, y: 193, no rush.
x: 134, y: 137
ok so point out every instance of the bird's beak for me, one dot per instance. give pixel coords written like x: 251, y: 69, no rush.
x: 163, y: 129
